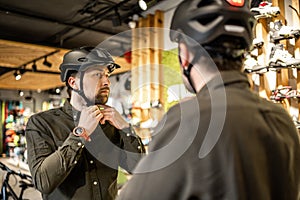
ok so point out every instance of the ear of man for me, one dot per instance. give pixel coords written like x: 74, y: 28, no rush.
x: 72, y: 82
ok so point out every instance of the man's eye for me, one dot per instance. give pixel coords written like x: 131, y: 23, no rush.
x: 101, y: 75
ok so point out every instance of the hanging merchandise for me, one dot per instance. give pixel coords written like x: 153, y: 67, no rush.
x: 14, y: 128
x: 265, y: 10
x: 273, y: 64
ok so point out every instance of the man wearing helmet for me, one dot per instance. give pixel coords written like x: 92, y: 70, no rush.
x: 74, y: 151
x: 226, y: 142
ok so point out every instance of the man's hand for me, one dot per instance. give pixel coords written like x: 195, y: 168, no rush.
x: 113, y: 117
x: 89, y: 118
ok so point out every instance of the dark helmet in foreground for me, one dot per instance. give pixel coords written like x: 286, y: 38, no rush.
x: 227, y: 23
x: 84, y: 57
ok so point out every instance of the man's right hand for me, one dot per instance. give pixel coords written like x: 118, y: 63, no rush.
x: 89, y: 118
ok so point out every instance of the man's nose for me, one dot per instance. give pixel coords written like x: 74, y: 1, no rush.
x: 105, y: 81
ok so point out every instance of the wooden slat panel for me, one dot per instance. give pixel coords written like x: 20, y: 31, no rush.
x: 30, y: 81
x: 16, y: 54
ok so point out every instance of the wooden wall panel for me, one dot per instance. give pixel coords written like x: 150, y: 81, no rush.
x: 147, y: 85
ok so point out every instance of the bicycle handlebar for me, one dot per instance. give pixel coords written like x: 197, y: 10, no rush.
x: 10, y: 171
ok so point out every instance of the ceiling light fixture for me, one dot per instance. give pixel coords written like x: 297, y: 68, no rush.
x: 135, y: 17
x: 57, y: 90
x: 46, y: 63
x: 116, y: 19
x: 34, y: 67
x: 17, y: 75
x: 21, y: 93
x: 143, y: 5
x: 132, y: 24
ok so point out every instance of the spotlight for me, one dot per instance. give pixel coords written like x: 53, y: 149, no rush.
x: 17, y: 75
x: 135, y: 17
x: 34, y: 67
x: 21, y: 93
x: 22, y: 70
x: 132, y: 24
x: 143, y: 5
x: 46, y: 63
x: 57, y: 90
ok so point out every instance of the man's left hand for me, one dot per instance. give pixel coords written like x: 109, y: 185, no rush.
x: 113, y: 117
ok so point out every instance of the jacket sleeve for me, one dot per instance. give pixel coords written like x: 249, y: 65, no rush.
x: 49, y: 166
x: 133, y: 149
x: 152, y: 181
x: 166, y: 183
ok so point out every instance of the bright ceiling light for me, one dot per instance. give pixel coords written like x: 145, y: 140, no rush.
x: 21, y: 93
x: 132, y: 24
x: 143, y: 5
x: 57, y: 90
x: 17, y: 75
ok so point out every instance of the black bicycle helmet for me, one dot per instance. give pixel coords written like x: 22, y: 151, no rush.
x: 84, y: 57
x: 227, y: 23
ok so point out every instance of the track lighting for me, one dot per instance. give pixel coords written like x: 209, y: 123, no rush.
x: 132, y: 24
x: 116, y: 19
x: 143, y: 5
x: 46, y: 63
x: 135, y: 17
x: 19, y: 71
x: 17, y: 75
x: 21, y: 93
x: 34, y: 67
x: 57, y: 90
x: 146, y: 4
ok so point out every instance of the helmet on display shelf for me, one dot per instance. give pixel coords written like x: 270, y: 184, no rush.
x: 84, y: 57
x: 223, y: 23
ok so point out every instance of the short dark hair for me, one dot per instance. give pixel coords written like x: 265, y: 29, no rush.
x: 72, y: 73
x: 223, y: 61
x: 226, y: 62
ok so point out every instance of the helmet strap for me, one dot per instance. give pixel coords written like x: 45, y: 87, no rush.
x: 81, y: 92
x: 187, y: 72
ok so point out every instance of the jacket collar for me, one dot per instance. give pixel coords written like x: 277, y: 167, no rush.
x: 227, y: 79
x: 70, y: 111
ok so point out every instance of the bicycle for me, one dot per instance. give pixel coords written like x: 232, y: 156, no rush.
x: 7, y: 190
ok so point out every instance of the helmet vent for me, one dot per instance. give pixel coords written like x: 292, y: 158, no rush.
x: 205, y: 3
x: 82, y: 59
x: 208, y: 19
x: 235, y: 23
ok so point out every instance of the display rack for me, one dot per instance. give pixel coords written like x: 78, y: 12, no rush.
x: 279, y: 83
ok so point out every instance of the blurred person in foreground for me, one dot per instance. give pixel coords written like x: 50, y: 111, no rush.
x: 226, y: 142
x: 74, y: 151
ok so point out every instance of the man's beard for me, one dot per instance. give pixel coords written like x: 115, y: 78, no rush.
x: 101, y: 98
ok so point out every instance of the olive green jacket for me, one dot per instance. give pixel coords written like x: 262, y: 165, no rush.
x: 64, y: 166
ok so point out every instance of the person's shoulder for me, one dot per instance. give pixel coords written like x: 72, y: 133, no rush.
x: 184, y: 103
x: 274, y: 107
x: 47, y: 113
